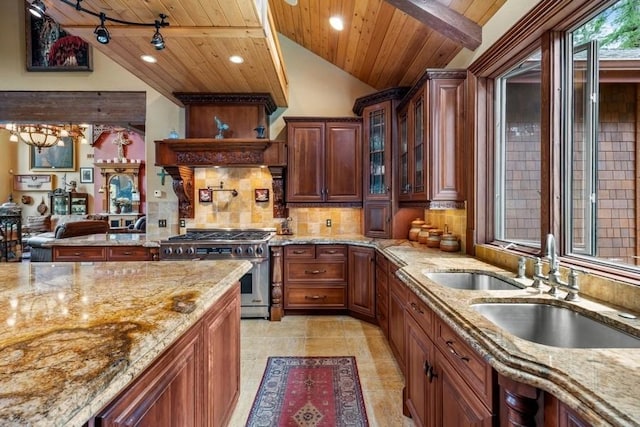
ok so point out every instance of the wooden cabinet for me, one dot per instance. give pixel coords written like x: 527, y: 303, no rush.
x: 362, y: 296
x: 382, y: 293
x: 195, y: 382
x: 447, y: 383
x: 104, y: 253
x: 315, y: 277
x: 68, y: 202
x: 324, y: 160
x: 431, y: 137
x: 558, y: 414
x: 398, y: 294
x: 382, y: 216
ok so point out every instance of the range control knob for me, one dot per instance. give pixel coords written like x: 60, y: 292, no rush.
x: 238, y: 250
x: 178, y: 251
x: 259, y: 250
x: 249, y: 250
x: 167, y: 251
x: 191, y: 251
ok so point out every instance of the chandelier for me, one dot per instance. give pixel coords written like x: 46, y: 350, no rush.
x: 45, y: 136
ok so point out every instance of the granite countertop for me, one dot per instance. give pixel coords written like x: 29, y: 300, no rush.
x: 106, y: 239
x: 600, y: 384
x: 73, y: 335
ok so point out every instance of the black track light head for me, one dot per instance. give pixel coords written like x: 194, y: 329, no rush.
x: 157, y: 40
x: 37, y: 8
x: 101, y: 32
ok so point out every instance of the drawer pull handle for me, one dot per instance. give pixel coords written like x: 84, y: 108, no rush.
x: 415, y: 308
x: 315, y: 297
x: 299, y: 252
x: 315, y: 271
x: 77, y: 254
x: 455, y: 353
x: 332, y: 252
x: 126, y: 253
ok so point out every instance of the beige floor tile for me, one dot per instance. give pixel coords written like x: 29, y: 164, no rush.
x: 380, y: 376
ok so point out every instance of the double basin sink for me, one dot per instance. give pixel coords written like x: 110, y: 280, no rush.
x: 538, y: 322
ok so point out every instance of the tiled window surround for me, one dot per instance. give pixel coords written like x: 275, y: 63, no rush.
x: 609, y: 291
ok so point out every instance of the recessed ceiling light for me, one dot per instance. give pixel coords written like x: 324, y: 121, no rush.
x: 337, y: 23
x: 149, y: 58
x: 291, y: 2
x: 236, y: 59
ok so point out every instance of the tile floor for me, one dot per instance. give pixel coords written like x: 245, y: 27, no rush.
x: 380, y: 376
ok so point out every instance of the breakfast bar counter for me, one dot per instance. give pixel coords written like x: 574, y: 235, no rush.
x: 73, y: 335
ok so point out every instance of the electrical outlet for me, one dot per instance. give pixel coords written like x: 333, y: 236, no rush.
x: 162, y: 223
x: 328, y: 222
x: 183, y: 223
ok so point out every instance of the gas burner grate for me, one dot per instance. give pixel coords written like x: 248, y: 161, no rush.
x: 223, y: 235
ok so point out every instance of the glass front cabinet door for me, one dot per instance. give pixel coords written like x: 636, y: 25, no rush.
x: 378, y: 147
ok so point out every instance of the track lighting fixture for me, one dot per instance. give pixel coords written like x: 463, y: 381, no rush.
x: 37, y: 8
x: 157, y: 40
x: 101, y: 32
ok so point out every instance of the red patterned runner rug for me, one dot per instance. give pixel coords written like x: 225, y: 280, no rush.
x: 309, y: 392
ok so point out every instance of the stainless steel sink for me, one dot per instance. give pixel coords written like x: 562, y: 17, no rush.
x: 554, y: 326
x: 470, y: 281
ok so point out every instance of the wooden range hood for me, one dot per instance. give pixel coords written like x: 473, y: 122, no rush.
x: 239, y: 147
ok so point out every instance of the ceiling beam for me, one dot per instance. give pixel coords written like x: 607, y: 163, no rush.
x: 440, y: 18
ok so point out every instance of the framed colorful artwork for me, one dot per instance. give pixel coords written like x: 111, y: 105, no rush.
x: 33, y: 182
x: 205, y: 195
x: 262, y: 194
x: 50, y: 48
x: 58, y: 157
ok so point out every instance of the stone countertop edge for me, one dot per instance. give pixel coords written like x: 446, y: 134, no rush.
x: 105, y: 239
x: 596, y: 383
x: 156, y: 326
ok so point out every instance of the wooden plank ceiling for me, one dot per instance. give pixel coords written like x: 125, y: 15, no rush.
x: 381, y: 45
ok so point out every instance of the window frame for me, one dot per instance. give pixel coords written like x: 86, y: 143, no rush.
x: 544, y: 27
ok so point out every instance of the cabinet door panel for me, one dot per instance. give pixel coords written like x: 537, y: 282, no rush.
x: 377, y: 219
x: 222, y: 345
x: 397, y: 301
x: 447, y: 133
x: 456, y: 404
x: 419, y: 389
x: 129, y: 253
x: 305, y: 180
x: 79, y: 253
x: 362, y: 298
x: 296, y: 271
x: 343, y: 182
x: 168, y: 394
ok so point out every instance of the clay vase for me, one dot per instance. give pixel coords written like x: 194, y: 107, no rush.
x: 449, y: 243
x: 424, y: 233
x: 433, y: 241
x: 415, y: 229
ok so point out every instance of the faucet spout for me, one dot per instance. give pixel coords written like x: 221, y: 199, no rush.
x: 551, y: 254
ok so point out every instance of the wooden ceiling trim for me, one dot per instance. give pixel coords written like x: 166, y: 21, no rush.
x: 172, y: 32
x: 491, y: 10
x: 443, y: 20
x: 277, y: 88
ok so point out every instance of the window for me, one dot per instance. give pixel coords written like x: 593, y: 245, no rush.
x: 595, y: 205
x: 518, y: 109
x: 602, y: 143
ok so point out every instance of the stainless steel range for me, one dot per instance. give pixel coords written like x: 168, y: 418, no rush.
x: 225, y: 243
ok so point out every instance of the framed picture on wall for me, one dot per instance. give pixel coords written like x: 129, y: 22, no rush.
x: 50, y: 48
x: 58, y: 157
x: 205, y: 195
x: 86, y: 175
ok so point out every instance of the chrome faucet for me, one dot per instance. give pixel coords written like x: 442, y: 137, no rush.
x: 552, y: 255
x: 553, y: 279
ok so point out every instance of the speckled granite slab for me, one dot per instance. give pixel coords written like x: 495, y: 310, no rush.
x: 72, y: 335
x: 113, y: 239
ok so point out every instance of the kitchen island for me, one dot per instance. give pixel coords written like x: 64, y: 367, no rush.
x: 75, y: 335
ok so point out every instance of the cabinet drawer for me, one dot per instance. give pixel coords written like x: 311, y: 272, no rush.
x: 300, y: 251
x: 331, y: 251
x: 79, y: 253
x: 309, y: 272
x: 471, y: 367
x: 382, y: 262
x: 328, y: 297
x: 128, y: 253
x: 420, y: 312
x: 382, y: 288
